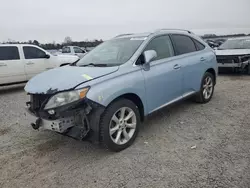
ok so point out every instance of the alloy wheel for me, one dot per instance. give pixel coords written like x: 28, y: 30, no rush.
x: 208, y: 87
x: 122, y: 125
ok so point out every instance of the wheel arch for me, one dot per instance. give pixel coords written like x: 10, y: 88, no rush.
x: 135, y: 99
x: 212, y: 71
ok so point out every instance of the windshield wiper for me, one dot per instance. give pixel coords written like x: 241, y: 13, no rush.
x: 74, y: 64
x: 94, y: 65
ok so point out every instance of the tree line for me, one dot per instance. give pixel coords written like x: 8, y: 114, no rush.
x: 86, y: 44
x: 55, y: 46
x: 228, y: 36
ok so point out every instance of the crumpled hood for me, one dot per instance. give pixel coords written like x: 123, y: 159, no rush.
x: 233, y: 52
x: 65, y: 78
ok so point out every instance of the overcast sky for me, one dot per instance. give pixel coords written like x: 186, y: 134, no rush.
x: 53, y: 20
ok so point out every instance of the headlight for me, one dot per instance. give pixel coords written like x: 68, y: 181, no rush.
x: 63, y: 98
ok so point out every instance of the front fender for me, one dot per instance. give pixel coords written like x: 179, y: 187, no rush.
x: 107, y: 91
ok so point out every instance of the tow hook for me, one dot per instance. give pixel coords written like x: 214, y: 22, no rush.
x: 37, y: 124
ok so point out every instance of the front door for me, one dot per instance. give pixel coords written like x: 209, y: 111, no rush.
x: 163, y: 79
x: 11, y: 66
x: 35, y: 61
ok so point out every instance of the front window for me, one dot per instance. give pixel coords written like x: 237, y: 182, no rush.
x: 235, y: 44
x: 31, y: 52
x: 78, y: 50
x: 162, y: 46
x: 112, y: 53
x: 66, y: 50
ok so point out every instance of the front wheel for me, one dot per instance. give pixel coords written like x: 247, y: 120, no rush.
x: 207, y: 88
x: 119, y: 125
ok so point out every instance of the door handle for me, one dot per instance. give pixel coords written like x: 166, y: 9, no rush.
x: 29, y: 63
x: 3, y: 65
x: 177, y: 66
x: 203, y: 59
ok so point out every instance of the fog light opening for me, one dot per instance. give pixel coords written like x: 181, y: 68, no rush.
x: 51, y: 112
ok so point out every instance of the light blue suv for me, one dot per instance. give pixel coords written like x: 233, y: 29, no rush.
x: 105, y: 96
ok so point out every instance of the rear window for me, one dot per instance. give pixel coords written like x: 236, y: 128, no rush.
x: 183, y: 44
x: 198, y: 45
x: 9, y: 53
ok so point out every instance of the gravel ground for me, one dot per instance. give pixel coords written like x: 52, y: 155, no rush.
x: 162, y: 156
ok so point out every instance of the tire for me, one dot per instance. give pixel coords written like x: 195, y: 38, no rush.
x: 113, y: 112
x: 201, y: 97
x: 248, y: 69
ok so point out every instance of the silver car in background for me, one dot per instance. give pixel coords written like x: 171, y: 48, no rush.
x: 234, y: 54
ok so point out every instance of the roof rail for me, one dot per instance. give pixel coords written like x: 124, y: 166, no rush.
x: 121, y: 35
x: 158, y: 30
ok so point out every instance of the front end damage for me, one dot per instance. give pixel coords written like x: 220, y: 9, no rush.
x: 79, y: 119
x: 237, y: 63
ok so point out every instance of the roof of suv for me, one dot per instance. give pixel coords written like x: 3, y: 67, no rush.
x: 157, y: 32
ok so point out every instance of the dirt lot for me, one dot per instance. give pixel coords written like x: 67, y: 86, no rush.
x: 161, y: 156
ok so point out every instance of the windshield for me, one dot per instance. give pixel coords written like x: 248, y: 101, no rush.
x: 111, y: 53
x: 235, y: 44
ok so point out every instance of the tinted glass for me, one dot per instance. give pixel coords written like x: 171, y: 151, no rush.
x: 183, y: 44
x: 9, y: 53
x: 78, y: 50
x: 198, y: 45
x: 33, y: 53
x: 163, y: 47
x: 113, y: 52
x: 66, y: 50
x: 236, y: 44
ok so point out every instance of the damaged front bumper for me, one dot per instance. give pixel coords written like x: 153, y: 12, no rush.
x: 241, y: 65
x: 239, y: 62
x: 78, y: 120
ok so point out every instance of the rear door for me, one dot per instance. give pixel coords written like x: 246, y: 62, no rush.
x: 190, y: 59
x: 11, y: 66
x: 35, y: 61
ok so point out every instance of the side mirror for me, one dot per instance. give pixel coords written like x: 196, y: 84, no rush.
x: 149, y: 55
x: 47, y: 56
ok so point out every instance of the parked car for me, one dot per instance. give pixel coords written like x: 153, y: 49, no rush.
x: 74, y: 50
x: 212, y: 43
x: 88, y: 49
x: 235, y: 54
x: 220, y: 41
x: 20, y: 62
x: 107, y: 94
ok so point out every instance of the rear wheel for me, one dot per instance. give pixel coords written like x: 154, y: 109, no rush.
x: 207, y: 88
x: 119, y: 125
